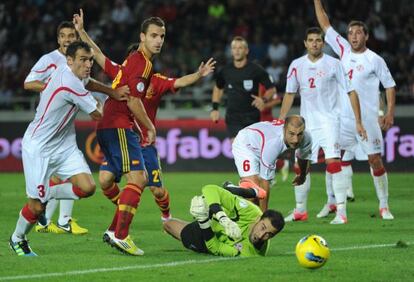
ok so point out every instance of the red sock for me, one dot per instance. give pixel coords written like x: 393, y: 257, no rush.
x: 78, y: 192
x: 112, y: 227
x: 29, y: 215
x: 280, y: 164
x: 164, y: 203
x: 112, y: 193
x: 127, y: 207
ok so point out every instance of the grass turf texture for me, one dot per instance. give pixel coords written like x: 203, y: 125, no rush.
x: 86, y: 258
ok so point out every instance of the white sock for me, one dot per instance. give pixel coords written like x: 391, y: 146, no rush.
x: 23, y: 227
x: 339, y: 188
x: 65, y: 213
x: 347, y: 174
x: 301, y: 194
x: 329, y: 190
x: 381, y: 187
x: 50, y: 209
x: 63, y: 191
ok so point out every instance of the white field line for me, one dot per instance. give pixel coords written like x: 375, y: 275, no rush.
x: 168, y: 264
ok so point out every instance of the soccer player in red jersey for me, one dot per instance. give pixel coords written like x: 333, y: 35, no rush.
x: 119, y: 143
x: 159, y: 85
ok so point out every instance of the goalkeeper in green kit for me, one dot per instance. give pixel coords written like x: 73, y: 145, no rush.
x: 226, y: 224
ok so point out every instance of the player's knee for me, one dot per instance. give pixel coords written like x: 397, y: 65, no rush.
x: 105, y: 182
x: 158, y: 192
x: 88, y: 189
x: 37, y: 207
x: 375, y: 161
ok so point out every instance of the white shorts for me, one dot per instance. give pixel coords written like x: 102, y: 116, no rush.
x: 356, y: 153
x: 39, y: 169
x: 326, y: 138
x: 248, y: 162
x: 350, y: 137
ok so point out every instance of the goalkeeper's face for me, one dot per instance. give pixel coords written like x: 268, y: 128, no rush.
x: 262, y: 231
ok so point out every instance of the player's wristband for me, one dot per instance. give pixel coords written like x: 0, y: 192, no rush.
x: 215, y: 106
x: 204, y: 224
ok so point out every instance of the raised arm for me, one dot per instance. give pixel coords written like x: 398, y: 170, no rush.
x: 321, y: 15
x: 79, y: 26
x: 203, y: 70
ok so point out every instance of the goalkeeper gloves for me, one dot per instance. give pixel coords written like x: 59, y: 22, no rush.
x: 199, y: 211
x: 230, y: 227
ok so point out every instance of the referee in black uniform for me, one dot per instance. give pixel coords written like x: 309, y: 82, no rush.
x: 240, y: 80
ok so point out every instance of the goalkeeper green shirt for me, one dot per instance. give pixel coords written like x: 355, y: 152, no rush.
x: 241, y: 211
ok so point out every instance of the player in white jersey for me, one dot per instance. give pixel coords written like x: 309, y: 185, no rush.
x: 257, y: 147
x: 36, y: 81
x: 49, y: 143
x: 321, y: 82
x: 366, y: 70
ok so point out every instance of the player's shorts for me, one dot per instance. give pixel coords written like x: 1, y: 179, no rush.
x: 356, y: 153
x: 328, y: 139
x: 192, y: 238
x: 121, y: 149
x: 350, y: 137
x: 248, y: 163
x: 39, y: 169
x: 152, y: 165
x: 237, y: 121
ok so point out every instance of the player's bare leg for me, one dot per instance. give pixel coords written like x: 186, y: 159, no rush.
x: 162, y: 199
x: 109, y: 188
x: 174, y: 227
x: 381, y: 184
x: 264, y: 203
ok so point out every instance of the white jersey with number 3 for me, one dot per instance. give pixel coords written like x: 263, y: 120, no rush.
x: 320, y: 85
x: 365, y: 70
x: 52, y: 130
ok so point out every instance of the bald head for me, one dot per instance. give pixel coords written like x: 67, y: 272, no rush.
x: 294, y: 129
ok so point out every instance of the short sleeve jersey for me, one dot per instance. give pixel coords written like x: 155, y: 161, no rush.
x: 45, y: 66
x: 53, y: 130
x: 365, y: 70
x: 135, y: 72
x: 240, y: 83
x: 320, y: 85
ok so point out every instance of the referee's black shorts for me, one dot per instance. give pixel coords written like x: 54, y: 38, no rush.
x: 237, y: 121
x: 192, y: 238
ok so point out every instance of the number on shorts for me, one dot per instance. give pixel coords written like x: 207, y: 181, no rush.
x: 41, y: 189
x: 156, y: 175
x: 312, y: 82
x: 246, y: 165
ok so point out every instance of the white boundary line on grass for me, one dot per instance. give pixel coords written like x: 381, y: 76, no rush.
x: 168, y: 264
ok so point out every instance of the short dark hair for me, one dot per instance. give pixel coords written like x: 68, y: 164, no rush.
x: 66, y: 24
x: 314, y: 30
x: 75, y: 46
x: 361, y: 24
x: 152, y: 20
x: 131, y: 48
x: 276, y: 219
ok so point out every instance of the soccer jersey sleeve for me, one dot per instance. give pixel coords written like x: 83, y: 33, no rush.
x: 339, y: 44
x: 304, y: 151
x: 79, y: 96
x: 220, y: 81
x: 264, y: 78
x: 383, y: 73
x: 162, y: 84
x: 42, y: 70
x: 292, y: 84
x: 342, y: 78
x: 111, y: 68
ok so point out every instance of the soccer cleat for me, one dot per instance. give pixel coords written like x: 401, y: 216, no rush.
x: 108, y: 237
x: 284, y: 171
x: 127, y: 246
x: 73, y: 228
x: 326, y: 210
x: 22, y: 248
x: 50, y: 228
x: 386, y: 214
x: 339, y: 219
x: 297, y: 216
x: 247, y: 184
x: 350, y: 194
x: 165, y: 218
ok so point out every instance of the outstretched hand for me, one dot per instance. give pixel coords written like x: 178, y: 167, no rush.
x: 206, y: 68
x: 258, y: 102
x: 78, y: 20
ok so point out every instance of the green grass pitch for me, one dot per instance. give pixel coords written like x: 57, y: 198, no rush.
x: 362, y: 250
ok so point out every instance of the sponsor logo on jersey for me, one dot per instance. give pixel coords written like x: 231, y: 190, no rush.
x: 248, y: 84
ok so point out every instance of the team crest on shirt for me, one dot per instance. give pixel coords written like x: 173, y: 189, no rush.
x: 140, y: 86
x: 248, y: 84
x: 376, y: 142
x: 360, y: 67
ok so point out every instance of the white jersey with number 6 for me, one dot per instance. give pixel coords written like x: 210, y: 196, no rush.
x: 257, y: 147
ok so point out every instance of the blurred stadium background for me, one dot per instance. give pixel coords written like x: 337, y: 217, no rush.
x: 197, y: 30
